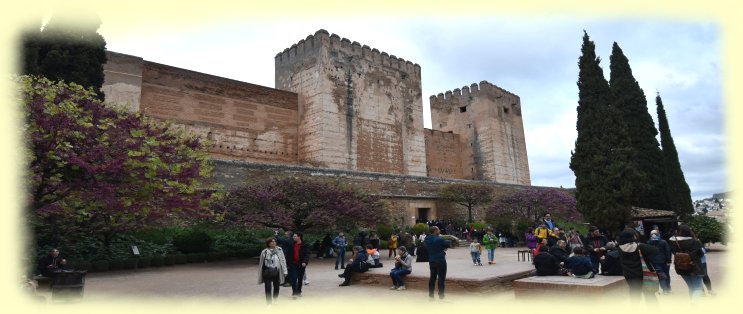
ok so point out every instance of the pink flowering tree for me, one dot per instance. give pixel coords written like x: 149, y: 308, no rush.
x: 300, y: 204
x: 100, y: 171
x: 527, y: 206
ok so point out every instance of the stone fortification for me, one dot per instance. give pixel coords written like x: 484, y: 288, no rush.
x: 443, y: 154
x: 360, y: 109
x: 243, y: 121
x: 488, y: 119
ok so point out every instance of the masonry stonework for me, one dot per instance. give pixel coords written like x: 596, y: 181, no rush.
x: 343, y: 111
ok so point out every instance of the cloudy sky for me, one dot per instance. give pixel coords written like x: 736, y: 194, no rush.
x: 535, y: 58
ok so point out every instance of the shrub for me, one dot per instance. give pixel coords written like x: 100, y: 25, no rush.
x: 195, y: 241
x: 145, y: 261
x: 420, y: 228
x: 100, y: 265
x: 384, y: 231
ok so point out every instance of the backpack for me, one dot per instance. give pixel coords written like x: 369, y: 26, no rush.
x: 682, y: 260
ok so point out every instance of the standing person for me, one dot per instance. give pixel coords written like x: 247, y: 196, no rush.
x: 299, y: 257
x: 686, y: 241
x: 502, y: 239
x: 705, y: 279
x: 403, y: 267
x: 475, y: 251
x: 374, y: 240
x: 327, y: 245
x: 595, y: 246
x: 392, y: 245
x: 339, y: 244
x: 286, y: 243
x: 662, y: 260
x: 547, y: 220
x: 490, y: 241
x: 272, y: 269
x: 541, y: 232
x: 632, y: 254
x: 530, y: 239
x: 436, y: 247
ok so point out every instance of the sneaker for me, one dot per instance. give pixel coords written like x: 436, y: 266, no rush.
x: 393, y: 288
x: 401, y: 288
x: 306, y: 282
x: 479, y: 264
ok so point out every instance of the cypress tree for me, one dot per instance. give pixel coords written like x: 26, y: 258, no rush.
x: 63, y: 52
x: 677, y: 190
x: 648, y: 189
x: 601, y: 160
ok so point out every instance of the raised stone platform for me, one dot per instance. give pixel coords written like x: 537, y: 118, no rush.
x: 461, y: 275
x: 566, y: 285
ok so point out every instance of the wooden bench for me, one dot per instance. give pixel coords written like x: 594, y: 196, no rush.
x: 566, y: 285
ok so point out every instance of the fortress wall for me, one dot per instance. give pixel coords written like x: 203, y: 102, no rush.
x: 243, y: 121
x: 443, y: 154
x: 362, y: 102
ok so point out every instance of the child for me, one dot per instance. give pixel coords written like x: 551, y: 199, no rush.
x: 580, y: 265
x: 475, y: 250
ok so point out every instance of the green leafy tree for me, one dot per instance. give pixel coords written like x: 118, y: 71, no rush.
x: 648, y: 189
x: 678, y: 193
x: 467, y: 195
x: 98, y: 171
x: 602, y: 159
x: 66, y: 52
x: 707, y: 229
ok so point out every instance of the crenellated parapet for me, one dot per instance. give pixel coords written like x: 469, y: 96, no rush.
x: 346, y: 48
x: 485, y: 90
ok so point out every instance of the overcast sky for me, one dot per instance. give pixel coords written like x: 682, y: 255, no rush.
x: 535, y: 58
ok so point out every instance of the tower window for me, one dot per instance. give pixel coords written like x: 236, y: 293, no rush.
x: 505, y: 110
x: 463, y: 109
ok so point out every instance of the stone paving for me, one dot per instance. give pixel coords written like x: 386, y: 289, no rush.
x: 235, y: 282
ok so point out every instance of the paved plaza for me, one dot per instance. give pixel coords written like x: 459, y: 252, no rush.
x: 235, y: 282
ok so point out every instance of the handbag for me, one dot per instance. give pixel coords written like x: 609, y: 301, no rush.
x: 650, y: 282
x: 270, y: 272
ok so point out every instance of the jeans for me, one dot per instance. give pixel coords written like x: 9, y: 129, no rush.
x: 695, y: 285
x: 662, y: 269
x: 491, y: 254
x: 475, y: 257
x: 635, y: 290
x: 296, y: 273
x: 705, y: 279
x: 397, y: 274
x: 267, y: 282
x: 438, y: 270
x: 341, y: 258
x: 595, y: 262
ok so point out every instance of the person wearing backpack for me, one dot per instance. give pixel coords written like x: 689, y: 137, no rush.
x: 687, y: 259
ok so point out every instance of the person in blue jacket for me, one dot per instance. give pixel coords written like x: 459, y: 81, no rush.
x: 436, y: 247
x: 358, y: 265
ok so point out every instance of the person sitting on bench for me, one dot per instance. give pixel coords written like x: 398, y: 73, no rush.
x: 403, y: 267
x: 358, y: 265
x: 51, y: 263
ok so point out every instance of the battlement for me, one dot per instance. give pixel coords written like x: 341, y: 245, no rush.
x: 484, y: 89
x: 335, y: 43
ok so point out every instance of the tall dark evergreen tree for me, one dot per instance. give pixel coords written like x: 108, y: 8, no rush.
x: 679, y: 195
x: 66, y: 52
x: 601, y: 160
x: 648, y: 190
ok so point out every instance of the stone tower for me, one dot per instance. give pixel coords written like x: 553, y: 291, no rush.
x: 359, y: 108
x: 488, y: 121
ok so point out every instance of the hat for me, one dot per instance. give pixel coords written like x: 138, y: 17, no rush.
x: 626, y: 237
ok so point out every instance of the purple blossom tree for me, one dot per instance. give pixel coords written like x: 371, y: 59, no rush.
x: 101, y: 171
x: 530, y: 204
x: 299, y: 204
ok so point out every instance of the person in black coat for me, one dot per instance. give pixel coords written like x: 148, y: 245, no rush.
x: 662, y: 260
x: 686, y: 241
x: 297, y: 260
x: 610, y: 262
x: 631, y: 255
x: 594, y: 244
x: 546, y: 264
x: 358, y: 265
x: 51, y: 263
x: 558, y: 250
x: 286, y: 245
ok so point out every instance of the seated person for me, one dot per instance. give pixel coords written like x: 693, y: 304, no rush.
x: 51, y: 263
x: 546, y: 264
x: 579, y: 264
x: 403, y: 267
x: 358, y: 264
x: 610, y: 264
x: 558, y: 250
x: 372, y: 256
